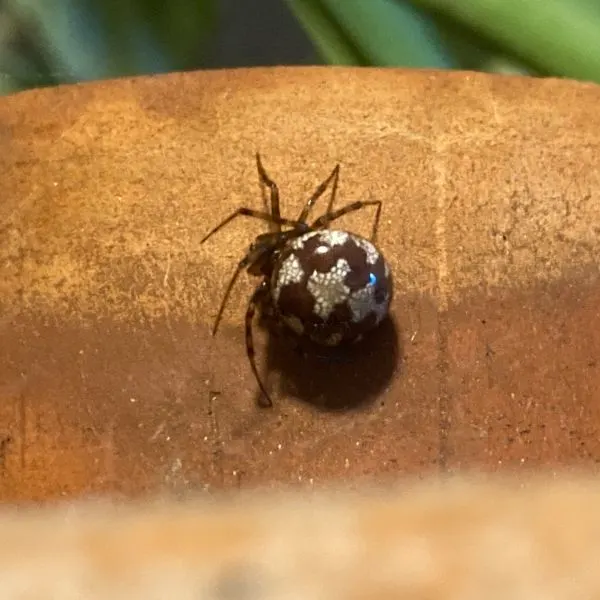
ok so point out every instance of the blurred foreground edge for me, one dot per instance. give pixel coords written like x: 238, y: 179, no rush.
x: 454, y: 539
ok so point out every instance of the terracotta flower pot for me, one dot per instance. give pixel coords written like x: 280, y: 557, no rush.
x: 109, y: 378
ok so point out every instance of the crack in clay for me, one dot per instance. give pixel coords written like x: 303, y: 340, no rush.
x: 443, y: 293
x: 217, y: 442
x: 440, y: 233
x: 23, y: 429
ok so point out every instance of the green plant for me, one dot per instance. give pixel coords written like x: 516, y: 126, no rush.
x: 44, y: 43
x: 546, y: 37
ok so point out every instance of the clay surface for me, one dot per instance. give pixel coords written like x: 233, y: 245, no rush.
x: 110, y: 381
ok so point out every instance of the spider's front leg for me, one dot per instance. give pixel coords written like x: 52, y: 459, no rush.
x: 327, y: 218
x: 248, y: 212
x: 259, y: 296
x: 333, y: 177
x: 274, y: 193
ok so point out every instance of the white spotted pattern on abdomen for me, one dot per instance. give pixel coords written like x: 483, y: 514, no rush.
x: 335, y: 283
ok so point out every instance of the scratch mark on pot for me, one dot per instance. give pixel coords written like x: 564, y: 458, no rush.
x: 23, y: 428
x: 5, y: 442
x: 158, y: 431
x: 217, y: 452
x: 441, y: 235
x: 109, y: 451
x: 441, y: 242
x: 167, y: 271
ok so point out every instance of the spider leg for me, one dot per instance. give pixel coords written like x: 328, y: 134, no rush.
x: 334, y: 176
x: 248, y: 212
x: 254, y: 262
x: 241, y: 266
x: 257, y: 297
x: 334, y: 188
x: 267, y: 181
x: 326, y: 219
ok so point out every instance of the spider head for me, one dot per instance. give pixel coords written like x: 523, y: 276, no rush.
x: 262, y: 252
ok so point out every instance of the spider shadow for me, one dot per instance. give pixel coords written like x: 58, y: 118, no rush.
x: 336, y: 379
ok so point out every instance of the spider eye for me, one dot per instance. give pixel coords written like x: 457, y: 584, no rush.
x: 372, y: 279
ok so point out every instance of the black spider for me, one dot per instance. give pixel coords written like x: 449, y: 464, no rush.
x: 328, y: 285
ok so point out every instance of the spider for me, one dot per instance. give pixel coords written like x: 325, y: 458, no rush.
x: 330, y: 286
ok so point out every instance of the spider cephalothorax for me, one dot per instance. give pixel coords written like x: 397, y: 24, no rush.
x: 327, y: 285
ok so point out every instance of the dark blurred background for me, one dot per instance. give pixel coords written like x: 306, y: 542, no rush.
x: 46, y: 42
x: 256, y: 33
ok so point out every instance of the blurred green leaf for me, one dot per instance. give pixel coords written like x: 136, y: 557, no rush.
x: 473, y: 51
x: 70, y: 48
x: 95, y: 39
x: 155, y: 35
x: 553, y: 36
x: 377, y: 32
x: 18, y: 75
x: 8, y: 84
x: 332, y: 42
x: 182, y: 28
x: 44, y: 41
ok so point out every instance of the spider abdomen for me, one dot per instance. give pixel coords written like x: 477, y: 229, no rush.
x: 331, y: 286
